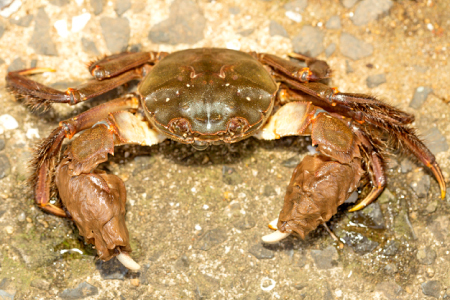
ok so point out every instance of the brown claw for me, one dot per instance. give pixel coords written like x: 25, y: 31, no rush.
x: 439, y: 177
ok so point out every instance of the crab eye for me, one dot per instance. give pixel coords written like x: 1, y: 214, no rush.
x: 180, y: 127
x: 237, y: 126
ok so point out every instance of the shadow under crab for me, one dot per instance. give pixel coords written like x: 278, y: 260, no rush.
x: 206, y: 97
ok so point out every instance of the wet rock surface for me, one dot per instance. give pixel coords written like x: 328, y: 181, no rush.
x: 196, y: 217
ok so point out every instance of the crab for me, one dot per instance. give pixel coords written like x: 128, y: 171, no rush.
x: 207, y: 97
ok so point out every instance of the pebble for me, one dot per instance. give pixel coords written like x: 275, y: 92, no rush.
x: 354, y: 48
x: 309, y: 41
x: 89, y: 47
x: 371, y: 217
x: 17, y: 64
x: 333, y: 23
x: 182, y: 262
x: 276, y: 28
x: 97, y: 6
x: 41, y: 40
x: 348, y: 67
x: 122, y: 6
x: 246, y: 32
x: 420, y: 182
x: 230, y: 176
x: 7, y: 122
x: 403, y: 227
x: 116, y: 32
x: 41, y: 284
x: 330, y: 50
x: 426, y: 256
x: 211, y: 238
x: 297, y: 6
x: 25, y: 21
x: 59, y: 3
x: 111, y: 269
x: 135, y: 282
x: 391, y: 248
x: 6, y: 296
x: 205, y: 286
x: 5, y: 166
x: 261, y: 252
x: 431, y: 288
x: 83, y: 290
x: 435, y: 140
x: 406, y: 165
x: 245, y: 223
x: 2, y: 144
x: 348, y: 3
x: 375, y: 80
x: 325, y: 259
x: 5, y: 3
x: 9, y: 7
x: 420, y: 96
x: 234, y: 10
x: 291, y: 162
x: 369, y: 10
x: 186, y: 24
x: 359, y: 243
x: 2, y: 28
x: 390, y: 289
x: 269, y: 190
x: 9, y: 229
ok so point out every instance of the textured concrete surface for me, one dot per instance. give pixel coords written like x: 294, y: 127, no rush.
x: 196, y: 218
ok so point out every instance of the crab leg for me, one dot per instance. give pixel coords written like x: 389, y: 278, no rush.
x: 357, y: 106
x: 315, y: 70
x: 47, y: 152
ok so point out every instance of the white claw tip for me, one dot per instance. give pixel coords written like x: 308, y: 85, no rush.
x: 274, y: 237
x: 273, y: 224
x: 128, y: 262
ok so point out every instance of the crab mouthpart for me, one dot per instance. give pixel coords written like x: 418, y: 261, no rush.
x: 128, y: 262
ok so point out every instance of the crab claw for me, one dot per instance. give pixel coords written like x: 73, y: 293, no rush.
x: 128, y: 262
x: 276, y: 236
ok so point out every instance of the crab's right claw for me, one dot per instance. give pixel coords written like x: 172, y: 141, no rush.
x: 128, y: 262
x: 276, y: 236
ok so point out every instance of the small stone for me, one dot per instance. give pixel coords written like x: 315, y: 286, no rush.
x: 297, y: 6
x: 333, y: 23
x: 89, y: 47
x: 41, y: 40
x: 41, y: 284
x: 369, y: 10
x: 97, y: 6
x: 111, y: 269
x: 16, y: 64
x: 431, y: 288
x: 389, y: 289
x: 426, y: 256
x: 371, y: 217
x: 348, y: 3
x: 135, y: 282
x: 391, y: 248
x: 122, y: 6
x: 5, y: 3
x: 386, y: 197
x: 291, y: 162
x: 420, y: 182
x: 116, y: 32
x: 245, y: 223
x: 390, y: 269
x: 406, y: 165
x: 211, y: 238
x: 353, y: 47
x: 83, y: 290
x: 25, y: 21
x: 6, y: 296
x: 5, y: 166
x: 246, y: 32
x: 186, y: 24
x: 9, y: 7
x: 359, y: 243
x: 59, y: 2
x: 205, y: 286
x: 431, y: 207
x: 9, y: 229
x: 230, y: 176
x: 348, y: 67
x: 309, y: 41
x: 325, y: 259
x: 430, y: 272
x: 261, y: 252
x: 403, y: 227
x: 234, y: 10
x: 276, y: 28
x: 420, y: 96
x: 330, y: 50
x: 269, y: 190
x: 375, y: 80
x: 435, y: 140
x: 182, y: 262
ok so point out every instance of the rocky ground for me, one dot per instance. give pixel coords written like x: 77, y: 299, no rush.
x: 196, y: 218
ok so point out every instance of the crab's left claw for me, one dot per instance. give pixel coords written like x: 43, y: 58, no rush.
x: 276, y: 236
x: 439, y: 177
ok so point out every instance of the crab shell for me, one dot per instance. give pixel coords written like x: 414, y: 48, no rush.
x: 198, y: 97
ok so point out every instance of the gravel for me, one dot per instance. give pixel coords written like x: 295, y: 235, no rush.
x: 309, y: 41
x: 116, y: 32
x: 353, y: 47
